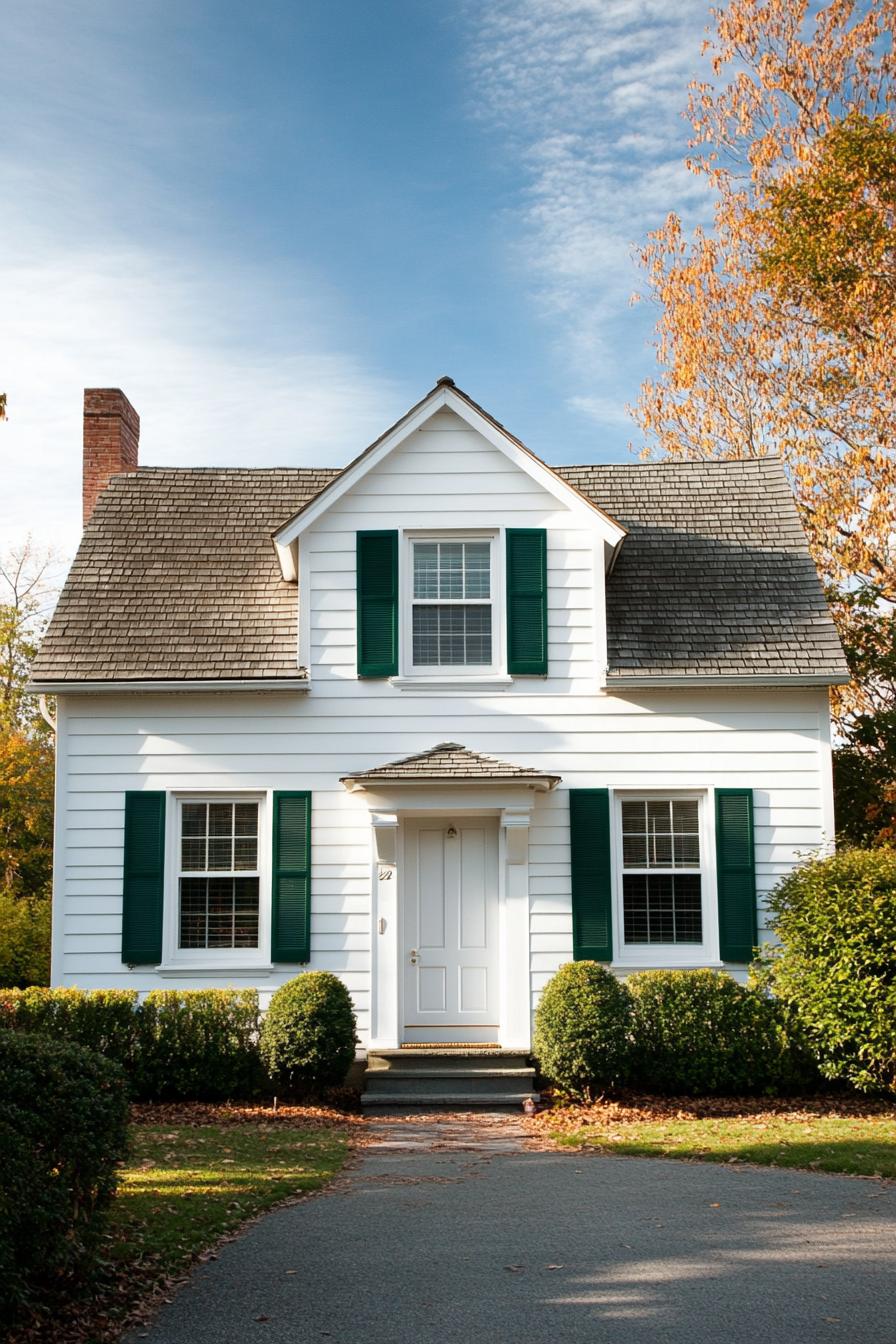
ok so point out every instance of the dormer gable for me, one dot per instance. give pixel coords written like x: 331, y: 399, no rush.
x: 446, y: 396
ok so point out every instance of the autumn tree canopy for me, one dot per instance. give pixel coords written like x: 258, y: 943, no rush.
x: 776, y: 328
x: 26, y: 773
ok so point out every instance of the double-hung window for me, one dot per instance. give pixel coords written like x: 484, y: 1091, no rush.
x: 662, y: 877
x: 452, y: 617
x: 219, y: 877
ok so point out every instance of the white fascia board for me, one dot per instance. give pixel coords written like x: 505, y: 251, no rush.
x: 577, y: 504
x: 707, y: 680
x: 116, y: 687
x: 444, y: 396
x: 366, y: 462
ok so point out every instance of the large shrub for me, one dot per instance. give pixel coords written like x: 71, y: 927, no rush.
x: 698, y: 1032
x: 198, y: 1045
x: 308, y: 1034
x: 63, y: 1125
x: 835, y: 967
x: 581, y: 1028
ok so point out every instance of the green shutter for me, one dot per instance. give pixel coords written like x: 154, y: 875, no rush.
x: 144, y: 878
x: 527, y: 601
x: 377, y: 588
x: 592, y: 874
x: 291, y: 901
x: 736, y: 874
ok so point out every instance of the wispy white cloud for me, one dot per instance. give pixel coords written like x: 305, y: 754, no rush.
x: 102, y: 282
x: 588, y: 95
x: 183, y: 342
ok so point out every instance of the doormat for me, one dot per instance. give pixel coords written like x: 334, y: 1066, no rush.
x: 450, y: 1045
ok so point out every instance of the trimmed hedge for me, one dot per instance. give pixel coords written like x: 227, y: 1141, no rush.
x: 835, y: 968
x: 104, y: 1020
x: 63, y: 1130
x: 198, y: 1044
x: 582, y: 1028
x: 686, y: 1032
x: 699, y: 1032
x: 308, y: 1034
x: 177, y: 1045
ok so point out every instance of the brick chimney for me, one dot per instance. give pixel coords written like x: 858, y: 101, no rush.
x: 111, y: 438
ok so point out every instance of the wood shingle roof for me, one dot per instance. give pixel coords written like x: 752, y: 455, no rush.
x: 176, y: 577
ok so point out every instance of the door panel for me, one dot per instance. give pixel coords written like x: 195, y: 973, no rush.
x: 450, y: 915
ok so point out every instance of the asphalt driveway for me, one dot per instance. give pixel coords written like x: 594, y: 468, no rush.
x: 417, y: 1247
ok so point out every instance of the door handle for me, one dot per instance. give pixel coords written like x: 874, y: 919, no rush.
x: 413, y: 955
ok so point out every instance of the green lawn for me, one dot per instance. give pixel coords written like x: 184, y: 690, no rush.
x: 184, y: 1186
x: 858, y: 1146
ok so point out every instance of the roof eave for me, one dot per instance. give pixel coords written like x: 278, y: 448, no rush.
x: 637, y: 681
x: 41, y: 686
x: 357, y: 783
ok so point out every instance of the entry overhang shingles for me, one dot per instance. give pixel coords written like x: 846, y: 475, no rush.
x: 447, y: 763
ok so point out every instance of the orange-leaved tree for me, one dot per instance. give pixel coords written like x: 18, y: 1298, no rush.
x: 776, y: 328
x: 26, y: 773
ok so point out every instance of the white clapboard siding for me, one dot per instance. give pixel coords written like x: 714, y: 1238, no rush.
x: 773, y: 742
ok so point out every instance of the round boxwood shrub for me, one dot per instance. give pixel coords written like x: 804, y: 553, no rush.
x: 700, y: 1032
x: 308, y: 1033
x: 581, y: 1028
x: 63, y: 1131
x: 835, y: 967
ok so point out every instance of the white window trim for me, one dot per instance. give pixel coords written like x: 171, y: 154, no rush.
x: 706, y: 953
x: 482, y: 675
x: 177, y: 959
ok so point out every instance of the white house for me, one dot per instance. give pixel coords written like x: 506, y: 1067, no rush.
x: 437, y: 722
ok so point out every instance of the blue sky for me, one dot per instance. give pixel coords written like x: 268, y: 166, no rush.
x: 275, y: 225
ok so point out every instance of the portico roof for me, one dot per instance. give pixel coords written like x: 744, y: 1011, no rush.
x: 450, y: 762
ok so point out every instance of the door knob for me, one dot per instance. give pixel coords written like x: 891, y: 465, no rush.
x: 413, y: 955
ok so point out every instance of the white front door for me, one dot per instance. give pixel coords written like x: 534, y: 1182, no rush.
x: 450, y: 940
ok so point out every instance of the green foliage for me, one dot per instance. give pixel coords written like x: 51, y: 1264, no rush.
x: 865, y: 762
x: 177, y: 1045
x: 63, y: 1128
x: 24, y: 940
x: 198, y: 1044
x: 581, y: 1028
x: 699, y: 1032
x: 104, y: 1020
x: 308, y: 1034
x: 830, y: 227
x: 835, y: 967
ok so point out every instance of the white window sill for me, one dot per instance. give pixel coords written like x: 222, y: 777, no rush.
x: 214, y: 967
x: 490, y: 682
x: 660, y: 963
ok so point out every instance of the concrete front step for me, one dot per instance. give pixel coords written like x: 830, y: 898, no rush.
x: 455, y: 1100
x: 439, y: 1077
x: 438, y: 1084
x: 478, y: 1061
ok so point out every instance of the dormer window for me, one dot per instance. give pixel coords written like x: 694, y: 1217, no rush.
x: 452, y: 622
